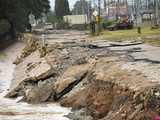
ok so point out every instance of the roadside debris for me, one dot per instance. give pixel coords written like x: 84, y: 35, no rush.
x: 104, y: 78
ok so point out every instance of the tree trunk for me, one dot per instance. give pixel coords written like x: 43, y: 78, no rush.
x: 12, y: 30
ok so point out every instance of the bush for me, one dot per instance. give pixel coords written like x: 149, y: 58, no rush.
x: 62, y: 24
x: 80, y: 27
x: 5, y: 26
x: 107, y: 23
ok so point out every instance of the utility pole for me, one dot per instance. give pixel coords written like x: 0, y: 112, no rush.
x: 99, y: 7
x: 108, y: 7
x: 138, y: 16
x: 99, y: 16
x: 89, y: 10
x: 156, y: 13
x: 117, y: 9
x: 83, y: 7
x: 105, y: 5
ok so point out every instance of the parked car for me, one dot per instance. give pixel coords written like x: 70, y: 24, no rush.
x: 121, y: 25
x: 48, y: 26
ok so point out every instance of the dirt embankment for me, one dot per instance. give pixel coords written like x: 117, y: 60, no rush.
x: 82, y: 76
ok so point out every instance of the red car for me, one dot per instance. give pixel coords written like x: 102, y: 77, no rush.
x: 121, y: 25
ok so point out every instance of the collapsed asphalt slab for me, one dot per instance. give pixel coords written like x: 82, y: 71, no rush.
x: 110, y: 80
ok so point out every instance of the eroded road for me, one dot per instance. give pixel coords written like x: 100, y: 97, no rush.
x: 142, y: 57
x: 98, y: 75
x: 11, y: 109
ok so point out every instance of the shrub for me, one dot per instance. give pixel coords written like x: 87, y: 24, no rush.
x: 5, y: 26
x: 107, y: 23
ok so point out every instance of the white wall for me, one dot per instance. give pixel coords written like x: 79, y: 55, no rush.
x: 76, y: 19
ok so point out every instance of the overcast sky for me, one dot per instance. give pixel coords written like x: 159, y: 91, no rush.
x: 71, y: 3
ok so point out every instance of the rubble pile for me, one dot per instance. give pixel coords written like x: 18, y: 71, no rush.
x: 90, y: 79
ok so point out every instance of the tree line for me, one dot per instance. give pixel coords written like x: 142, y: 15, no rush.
x: 62, y: 8
x: 14, y: 14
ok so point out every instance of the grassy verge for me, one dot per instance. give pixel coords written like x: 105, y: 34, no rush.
x: 127, y: 35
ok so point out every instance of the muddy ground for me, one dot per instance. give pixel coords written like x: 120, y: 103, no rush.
x: 98, y: 79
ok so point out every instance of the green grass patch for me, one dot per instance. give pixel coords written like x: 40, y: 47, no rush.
x: 124, y: 34
x: 129, y: 35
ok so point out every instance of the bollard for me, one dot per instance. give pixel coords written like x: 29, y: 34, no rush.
x: 43, y: 40
x: 139, y: 30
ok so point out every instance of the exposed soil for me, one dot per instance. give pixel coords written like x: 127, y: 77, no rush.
x: 103, y: 79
